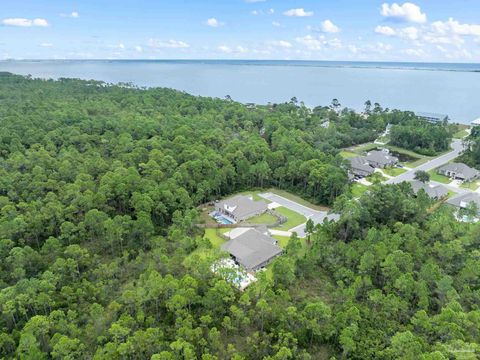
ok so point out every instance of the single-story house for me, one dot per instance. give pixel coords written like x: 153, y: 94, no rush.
x: 433, y: 191
x: 360, y: 166
x: 459, y: 171
x: 381, y: 159
x: 241, y: 207
x: 252, y: 249
x: 462, y: 201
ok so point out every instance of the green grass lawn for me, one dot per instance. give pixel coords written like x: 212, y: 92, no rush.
x: 414, y: 163
x: 460, y: 134
x: 364, y: 147
x: 282, y: 240
x: 358, y: 189
x: 347, y: 154
x: 266, y: 219
x: 394, y: 171
x: 215, y: 239
x: 439, y: 178
x: 293, y: 218
x: 470, y: 185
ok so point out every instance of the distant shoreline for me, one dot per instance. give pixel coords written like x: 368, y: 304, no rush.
x: 454, y: 67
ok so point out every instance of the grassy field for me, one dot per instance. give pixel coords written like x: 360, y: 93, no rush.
x: 394, y: 171
x: 266, y: 219
x: 358, y: 189
x: 460, y: 134
x: 439, y: 178
x: 347, y: 154
x: 293, y: 218
x: 282, y: 240
x: 215, y: 239
x: 470, y: 185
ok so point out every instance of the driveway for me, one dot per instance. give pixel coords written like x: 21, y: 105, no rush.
x: 315, y: 215
x: 457, y: 148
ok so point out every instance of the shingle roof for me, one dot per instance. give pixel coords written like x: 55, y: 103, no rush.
x: 433, y: 191
x: 252, y: 248
x: 464, y: 199
x: 360, y: 163
x: 460, y: 168
x: 381, y: 157
x: 241, y: 205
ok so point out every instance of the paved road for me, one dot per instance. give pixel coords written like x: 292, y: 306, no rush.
x: 457, y: 148
x: 315, y: 215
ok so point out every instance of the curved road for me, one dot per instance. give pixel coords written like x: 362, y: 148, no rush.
x: 457, y: 148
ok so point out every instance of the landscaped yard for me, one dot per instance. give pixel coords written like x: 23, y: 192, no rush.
x: 347, y: 154
x: 293, y: 218
x: 376, y: 177
x: 394, y: 171
x: 282, y: 240
x: 434, y: 176
x: 470, y: 185
x: 266, y: 219
x: 358, y: 189
x: 460, y: 134
x: 215, y: 239
x: 297, y: 199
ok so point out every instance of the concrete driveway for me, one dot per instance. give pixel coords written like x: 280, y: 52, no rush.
x: 315, y: 215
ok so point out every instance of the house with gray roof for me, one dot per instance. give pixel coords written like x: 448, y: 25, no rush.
x: 381, y: 159
x: 240, y: 207
x: 459, y: 171
x: 360, y: 167
x: 433, y: 191
x: 252, y: 249
x: 462, y: 201
x: 431, y: 117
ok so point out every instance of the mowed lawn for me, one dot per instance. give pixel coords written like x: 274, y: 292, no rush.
x: 293, y: 218
x: 434, y: 176
x: 358, y: 189
x: 394, y: 171
x: 264, y: 219
x: 215, y: 239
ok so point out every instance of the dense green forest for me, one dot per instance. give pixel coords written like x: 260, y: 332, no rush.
x: 422, y: 136
x: 471, y: 156
x: 98, y: 192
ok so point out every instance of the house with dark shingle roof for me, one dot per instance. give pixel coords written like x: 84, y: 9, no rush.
x: 433, y: 191
x: 459, y: 171
x: 360, y: 167
x: 462, y: 201
x: 241, y: 207
x: 381, y: 159
x: 253, y: 249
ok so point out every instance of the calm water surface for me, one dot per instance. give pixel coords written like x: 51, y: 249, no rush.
x: 452, y: 89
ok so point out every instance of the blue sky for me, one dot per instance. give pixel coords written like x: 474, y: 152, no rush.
x: 439, y: 30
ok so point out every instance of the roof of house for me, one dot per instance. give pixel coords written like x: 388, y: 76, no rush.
x: 381, y: 157
x: 476, y: 121
x: 252, y: 248
x: 360, y: 163
x: 241, y: 205
x: 433, y: 191
x: 431, y: 115
x: 464, y: 199
x: 460, y: 168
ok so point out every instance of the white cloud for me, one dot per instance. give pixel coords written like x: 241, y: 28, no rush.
x: 46, y: 45
x: 169, y: 44
x: 300, y: 12
x: 329, y: 27
x: 138, y: 49
x: 406, y: 12
x: 454, y: 27
x: 121, y: 46
x: 281, y: 44
x: 235, y: 51
x: 271, y: 11
x: 213, y: 22
x: 415, y: 52
x: 22, y: 22
x: 254, y: 12
x: 319, y: 43
x: 385, y: 30
x: 276, y: 24
x: 73, y: 14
